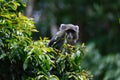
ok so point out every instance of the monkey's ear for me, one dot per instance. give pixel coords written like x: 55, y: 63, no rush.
x: 76, y: 28
x: 62, y: 27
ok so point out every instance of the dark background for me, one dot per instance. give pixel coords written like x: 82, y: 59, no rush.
x: 98, y: 20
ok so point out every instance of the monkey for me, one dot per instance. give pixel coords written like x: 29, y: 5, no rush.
x: 68, y: 33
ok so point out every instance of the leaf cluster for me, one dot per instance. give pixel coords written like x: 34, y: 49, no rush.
x: 22, y: 58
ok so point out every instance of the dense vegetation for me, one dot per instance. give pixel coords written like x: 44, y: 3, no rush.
x: 99, y: 22
x: 23, y: 58
x: 102, y: 67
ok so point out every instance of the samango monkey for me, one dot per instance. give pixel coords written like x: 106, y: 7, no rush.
x: 68, y: 33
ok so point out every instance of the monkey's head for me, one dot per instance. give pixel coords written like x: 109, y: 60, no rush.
x: 72, y: 32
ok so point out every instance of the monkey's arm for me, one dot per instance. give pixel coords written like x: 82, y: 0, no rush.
x: 58, y: 40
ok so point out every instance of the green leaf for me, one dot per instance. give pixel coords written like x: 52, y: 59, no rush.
x: 1, y: 0
x: 2, y: 55
x: 25, y: 64
x: 53, y: 77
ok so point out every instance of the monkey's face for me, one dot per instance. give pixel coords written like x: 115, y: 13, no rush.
x: 71, y: 32
x: 71, y: 36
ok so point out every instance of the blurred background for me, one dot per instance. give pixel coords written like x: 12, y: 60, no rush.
x: 99, y: 23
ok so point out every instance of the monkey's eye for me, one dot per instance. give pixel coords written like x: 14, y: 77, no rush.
x: 71, y: 31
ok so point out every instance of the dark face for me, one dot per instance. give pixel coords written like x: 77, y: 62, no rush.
x: 71, y: 36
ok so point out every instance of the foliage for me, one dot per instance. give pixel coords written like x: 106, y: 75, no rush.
x: 49, y: 63
x: 99, y: 22
x: 102, y: 67
x: 22, y: 58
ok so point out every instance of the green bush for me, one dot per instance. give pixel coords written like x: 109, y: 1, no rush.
x: 102, y: 67
x: 22, y: 58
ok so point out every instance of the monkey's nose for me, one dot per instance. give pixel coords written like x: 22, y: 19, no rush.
x: 69, y: 36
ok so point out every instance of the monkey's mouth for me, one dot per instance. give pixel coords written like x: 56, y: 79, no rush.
x: 69, y: 40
